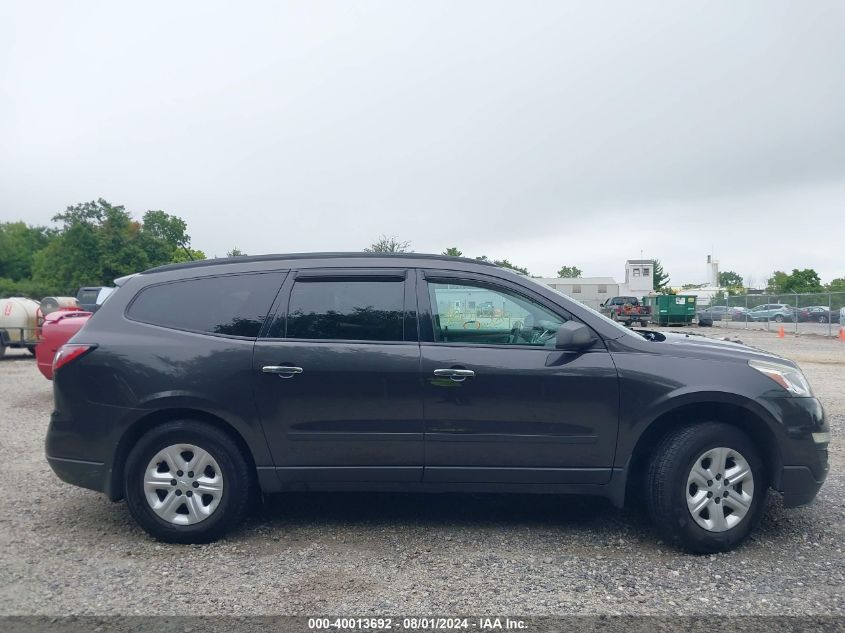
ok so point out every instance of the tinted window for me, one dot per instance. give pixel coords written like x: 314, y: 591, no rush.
x: 87, y: 296
x: 233, y: 304
x: 353, y: 309
x: 501, y: 318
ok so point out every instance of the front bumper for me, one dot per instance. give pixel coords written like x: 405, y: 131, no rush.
x: 799, y: 486
x: 804, y: 465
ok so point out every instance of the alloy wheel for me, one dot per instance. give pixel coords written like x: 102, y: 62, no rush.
x: 720, y: 489
x: 183, y: 484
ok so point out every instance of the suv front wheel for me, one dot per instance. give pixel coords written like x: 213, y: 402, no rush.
x: 186, y: 482
x: 706, y: 487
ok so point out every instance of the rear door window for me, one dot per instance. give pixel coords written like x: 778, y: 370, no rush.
x: 232, y: 305
x: 354, y: 309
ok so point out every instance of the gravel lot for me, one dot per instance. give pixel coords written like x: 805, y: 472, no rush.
x: 66, y: 550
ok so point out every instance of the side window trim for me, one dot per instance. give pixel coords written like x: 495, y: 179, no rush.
x: 281, y: 308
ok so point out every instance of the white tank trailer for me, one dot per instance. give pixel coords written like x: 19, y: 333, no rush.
x: 18, y: 323
x: 51, y: 304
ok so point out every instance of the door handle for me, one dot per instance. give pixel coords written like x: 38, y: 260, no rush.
x: 458, y: 375
x: 283, y: 371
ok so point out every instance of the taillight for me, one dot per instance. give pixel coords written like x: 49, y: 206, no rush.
x: 70, y: 352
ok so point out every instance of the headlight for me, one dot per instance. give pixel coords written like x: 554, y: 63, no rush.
x: 787, y: 377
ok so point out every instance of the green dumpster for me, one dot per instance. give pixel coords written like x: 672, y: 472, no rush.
x: 671, y: 309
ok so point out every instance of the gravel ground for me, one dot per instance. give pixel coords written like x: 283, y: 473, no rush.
x: 66, y: 550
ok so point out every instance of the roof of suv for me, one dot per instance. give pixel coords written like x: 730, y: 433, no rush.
x: 299, y: 256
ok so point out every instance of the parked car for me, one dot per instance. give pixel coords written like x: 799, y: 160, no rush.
x: 57, y: 329
x: 628, y: 310
x: 708, y: 315
x: 778, y: 312
x: 197, y: 384
x: 819, y: 314
x: 90, y: 298
x: 59, y: 326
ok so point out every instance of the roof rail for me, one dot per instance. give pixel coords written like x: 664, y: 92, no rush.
x: 294, y: 256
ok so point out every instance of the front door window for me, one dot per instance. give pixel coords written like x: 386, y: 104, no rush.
x: 477, y: 313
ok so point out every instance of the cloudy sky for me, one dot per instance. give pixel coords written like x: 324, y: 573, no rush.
x: 547, y: 133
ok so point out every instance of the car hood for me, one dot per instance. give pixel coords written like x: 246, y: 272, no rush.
x: 700, y: 346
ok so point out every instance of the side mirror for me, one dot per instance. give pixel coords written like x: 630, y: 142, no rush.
x: 574, y: 336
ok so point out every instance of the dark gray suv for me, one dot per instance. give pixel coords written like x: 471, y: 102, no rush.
x: 197, y: 385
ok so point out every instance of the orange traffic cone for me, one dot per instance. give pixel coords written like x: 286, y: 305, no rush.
x: 780, y: 332
x: 842, y: 334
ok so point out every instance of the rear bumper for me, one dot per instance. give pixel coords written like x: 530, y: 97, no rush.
x: 91, y: 475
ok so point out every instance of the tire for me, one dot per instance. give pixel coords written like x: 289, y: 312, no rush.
x: 2, y: 350
x: 227, y: 463
x: 668, y: 489
x: 643, y: 323
x: 779, y: 318
x: 822, y: 319
x: 31, y: 349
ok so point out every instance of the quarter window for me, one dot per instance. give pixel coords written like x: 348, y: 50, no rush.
x: 499, y: 318
x: 354, y: 309
x: 235, y: 305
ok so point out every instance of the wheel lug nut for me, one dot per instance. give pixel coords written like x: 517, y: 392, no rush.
x: 725, y: 494
x: 718, y: 499
x: 709, y: 482
x: 179, y: 473
x: 172, y: 482
x: 178, y: 493
x: 727, y: 482
x: 190, y: 473
x: 709, y: 494
x: 196, y: 484
x: 189, y: 493
x: 718, y: 477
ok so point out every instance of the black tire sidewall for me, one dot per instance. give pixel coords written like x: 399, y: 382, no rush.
x: 234, y: 471
x: 679, y: 524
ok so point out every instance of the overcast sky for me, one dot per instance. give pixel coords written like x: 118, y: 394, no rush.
x: 547, y: 133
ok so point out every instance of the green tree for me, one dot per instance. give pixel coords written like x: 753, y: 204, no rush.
x: 660, y: 279
x: 18, y: 245
x: 503, y: 263
x: 837, y: 285
x: 187, y: 255
x: 166, y: 237
x: 798, y: 281
x: 98, y: 241
x: 569, y: 272
x: 730, y: 279
x: 776, y: 282
x: 453, y: 251
x: 235, y: 252
x: 388, y: 244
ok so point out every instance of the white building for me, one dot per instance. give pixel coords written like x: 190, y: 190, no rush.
x: 592, y: 291
x: 639, y: 278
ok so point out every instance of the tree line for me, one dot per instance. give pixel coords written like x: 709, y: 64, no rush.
x: 94, y: 243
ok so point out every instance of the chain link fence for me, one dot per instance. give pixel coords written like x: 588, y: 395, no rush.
x: 811, y: 313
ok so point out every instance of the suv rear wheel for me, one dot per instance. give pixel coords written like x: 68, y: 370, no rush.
x: 706, y: 487
x: 187, y: 482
